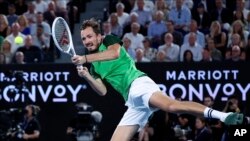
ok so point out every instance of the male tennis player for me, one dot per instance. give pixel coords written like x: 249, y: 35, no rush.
x: 110, y: 62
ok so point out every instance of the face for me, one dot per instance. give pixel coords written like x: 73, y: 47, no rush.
x: 199, y: 124
x: 90, y: 39
x: 208, y: 101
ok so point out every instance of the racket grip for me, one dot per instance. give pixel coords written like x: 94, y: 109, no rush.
x: 80, y: 66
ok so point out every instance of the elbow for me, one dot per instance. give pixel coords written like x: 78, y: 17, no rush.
x: 103, y: 93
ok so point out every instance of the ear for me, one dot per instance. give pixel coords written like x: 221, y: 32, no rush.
x: 99, y: 38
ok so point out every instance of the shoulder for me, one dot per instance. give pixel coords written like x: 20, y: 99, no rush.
x: 111, y: 39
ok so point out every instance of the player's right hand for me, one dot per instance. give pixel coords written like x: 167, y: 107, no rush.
x: 78, y: 60
x: 83, y: 71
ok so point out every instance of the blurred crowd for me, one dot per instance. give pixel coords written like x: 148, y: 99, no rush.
x: 181, y: 30
x: 25, y: 29
x: 151, y: 30
x: 163, y: 126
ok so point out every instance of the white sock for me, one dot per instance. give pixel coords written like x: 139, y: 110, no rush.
x: 211, y: 113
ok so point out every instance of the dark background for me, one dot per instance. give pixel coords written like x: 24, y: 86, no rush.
x: 54, y: 117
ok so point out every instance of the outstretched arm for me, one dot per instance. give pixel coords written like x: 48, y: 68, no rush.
x: 112, y: 52
x: 96, y: 84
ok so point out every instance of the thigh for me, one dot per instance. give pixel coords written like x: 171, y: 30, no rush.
x: 124, y: 133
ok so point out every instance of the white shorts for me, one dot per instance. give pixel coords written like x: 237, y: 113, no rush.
x: 139, y: 110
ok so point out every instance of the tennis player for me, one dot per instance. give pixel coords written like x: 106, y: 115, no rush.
x: 110, y: 62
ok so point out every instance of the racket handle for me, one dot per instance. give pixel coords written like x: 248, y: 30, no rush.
x: 80, y: 66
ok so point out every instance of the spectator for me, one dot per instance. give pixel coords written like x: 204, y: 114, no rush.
x: 21, y: 7
x: 6, y: 50
x: 202, y: 17
x: 181, y: 16
x: 178, y: 37
x: 40, y: 5
x: 202, y: 132
x: 144, y: 14
x: 24, y: 25
x: 193, y: 28
x: 127, y: 46
x: 161, y: 5
x: 236, y: 40
x: 238, y: 27
x: 11, y: 17
x: 161, y: 56
x: 51, y: 13
x: 30, y: 14
x: 222, y: 14
x: 149, y: 51
x: 134, y: 18
x: 236, y: 54
x: 32, y: 53
x: 188, y: 56
x: 135, y: 37
x: 206, y: 55
x: 218, y: 36
x: 122, y: 16
x: 139, y: 56
x: 106, y: 28
x: 116, y: 28
x: 156, y: 29
x: 171, y: 50
x: 193, y: 46
x: 215, y: 53
x: 19, y: 58
x: 5, y: 30
x: 240, y: 6
x: 15, y: 33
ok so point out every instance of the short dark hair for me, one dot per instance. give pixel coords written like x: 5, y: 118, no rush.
x: 91, y: 23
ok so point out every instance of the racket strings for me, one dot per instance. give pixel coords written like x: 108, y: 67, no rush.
x: 62, y: 36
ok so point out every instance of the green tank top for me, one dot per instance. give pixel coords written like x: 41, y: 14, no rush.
x: 119, y: 73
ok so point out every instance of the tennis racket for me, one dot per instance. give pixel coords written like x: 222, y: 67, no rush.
x: 62, y: 36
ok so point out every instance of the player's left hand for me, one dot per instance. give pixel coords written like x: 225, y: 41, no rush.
x: 25, y: 136
x: 78, y: 60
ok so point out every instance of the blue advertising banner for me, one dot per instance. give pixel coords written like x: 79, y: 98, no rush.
x: 57, y: 88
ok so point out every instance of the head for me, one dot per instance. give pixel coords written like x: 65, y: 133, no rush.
x: 28, y: 41
x: 200, y: 123
x: 133, y: 17
x: 206, y: 54
x: 31, y: 110
x: 3, y: 20
x: 170, y: 25
x: 236, y: 52
x: 146, y: 42
x: 192, y: 38
x: 168, y: 38
x: 39, y: 17
x: 135, y: 27
x: 6, y: 46
x: 120, y: 8
x: 106, y: 27
x: 193, y: 26
x: 159, y: 16
x: 208, y: 101
x: 126, y: 42
x: 210, y: 44
x: 23, y: 21
x: 188, y: 56
x: 114, y: 19
x: 160, y: 56
x: 19, y: 56
x: 15, y: 28
x: 140, y: 4
x: 91, y: 35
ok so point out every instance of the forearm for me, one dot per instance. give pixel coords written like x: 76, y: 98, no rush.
x: 35, y: 135
x: 111, y: 53
x: 97, y: 85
